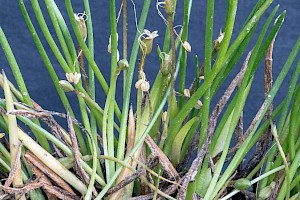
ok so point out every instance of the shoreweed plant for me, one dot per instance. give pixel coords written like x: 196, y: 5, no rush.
x: 174, y: 143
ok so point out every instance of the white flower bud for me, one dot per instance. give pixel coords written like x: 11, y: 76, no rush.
x: 66, y: 86
x: 187, y: 46
x: 73, y: 77
x: 187, y: 93
x: 198, y: 105
x: 219, y: 40
x: 164, y: 116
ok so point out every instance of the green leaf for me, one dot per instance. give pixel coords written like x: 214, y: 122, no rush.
x: 178, y: 141
x: 219, y: 145
x: 203, y: 179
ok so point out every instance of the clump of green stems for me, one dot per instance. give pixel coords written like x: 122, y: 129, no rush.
x: 113, y: 153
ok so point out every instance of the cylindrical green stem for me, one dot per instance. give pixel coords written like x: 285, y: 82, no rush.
x: 127, y: 91
x: 19, y: 79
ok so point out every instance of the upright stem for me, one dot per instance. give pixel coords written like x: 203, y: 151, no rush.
x: 83, y: 72
x: 207, y: 69
x: 125, y: 29
x: 183, y: 57
x: 90, y: 38
x: 14, y: 143
x: 139, y: 100
x: 124, y: 39
x: 173, y: 51
x: 127, y: 90
x: 21, y: 84
x: 108, y: 130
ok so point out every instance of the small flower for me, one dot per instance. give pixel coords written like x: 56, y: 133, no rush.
x: 73, y: 77
x: 150, y: 35
x: 146, y: 41
x: 142, y: 83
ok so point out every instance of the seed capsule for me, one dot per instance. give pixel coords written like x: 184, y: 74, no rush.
x: 123, y: 64
x: 81, y: 24
x: 73, y: 77
x: 147, y: 45
x: 146, y: 41
x: 169, y: 7
x: 242, y: 184
x: 166, y: 64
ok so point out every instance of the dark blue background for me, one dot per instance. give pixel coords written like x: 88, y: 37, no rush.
x: 39, y: 83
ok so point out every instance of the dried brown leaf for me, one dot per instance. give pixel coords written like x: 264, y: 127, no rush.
x: 52, y: 175
x: 163, y: 159
x: 23, y: 190
x: 43, y: 178
x: 60, y: 193
x: 151, y: 163
x: 15, y: 168
x: 79, y: 169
